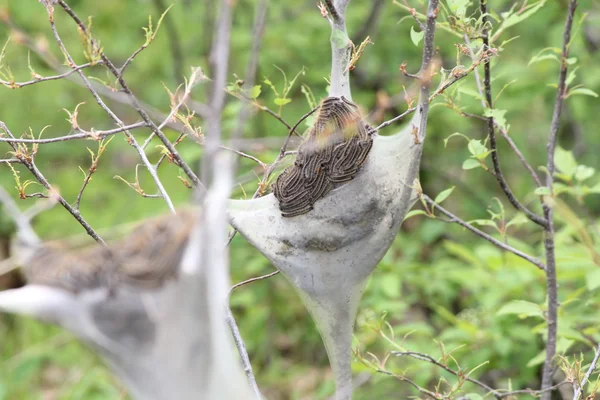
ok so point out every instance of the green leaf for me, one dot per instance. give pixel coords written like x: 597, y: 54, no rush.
x: 391, y: 285
x: 565, y: 161
x: 583, y: 173
x: 562, y: 346
x: 454, y: 134
x: 443, y: 195
x: 521, y: 308
x: 517, y: 220
x: 583, y: 92
x: 476, y: 147
x: 542, y: 191
x: 414, y: 213
x: 543, y: 57
x: 255, y: 91
x: 592, y: 279
x: 471, y: 163
x: 460, y: 251
x: 484, y: 222
x: 415, y: 36
x: 282, y: 102
x: 515, y: 18
x: 458, y: 7
x: 498, y: 116
x: 571, y: 76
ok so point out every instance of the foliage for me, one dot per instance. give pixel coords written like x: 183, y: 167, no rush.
x: 439, y: 290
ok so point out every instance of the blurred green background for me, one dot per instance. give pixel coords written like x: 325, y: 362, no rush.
x: 439, y: 287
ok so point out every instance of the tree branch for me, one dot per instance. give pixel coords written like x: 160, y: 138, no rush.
x: 551, y: 282
x: 495, y: 242
x: 581, y: 386
x: 136, y: 105
x: 113, y: 116
x: 492, y: 132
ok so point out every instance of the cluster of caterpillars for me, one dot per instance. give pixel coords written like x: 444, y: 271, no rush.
x: 146, y: 259
x: 336, y: 148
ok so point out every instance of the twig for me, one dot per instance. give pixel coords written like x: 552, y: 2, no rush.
x: 282, y: 153
x: 492, y: 131
x: 508, y: 139
x: 441, y: 88
x: 551, y: 283
x: 101, y: 103
x: 497, y: 243
x: 174, y: 41
x: 410, y: 382
x: 258, y: 278
x: 460, y: 374
x: 29, y: 163
x: 137, y: 106
x: 83, y: 135
x: 241, y: 346
x: 533, y: 392
x: 15, y: 85
x: 586, y: 377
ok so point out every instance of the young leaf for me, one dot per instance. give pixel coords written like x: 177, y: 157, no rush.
x: 451, y: 136
x: 255, y: 92
x: 498, y: 116
x: 583, y: 173
x: 281, y: 101
x: 476, y: 147
x: 415, y: 36
x: 583, y: 92
x: 471, y: 163
x: 414, y: 213
x: 521, y: 308
x: 565, y: 162
x: 458, y: 7
x: 542, y: 191
x: 592, y: 279
x: 443, y: 195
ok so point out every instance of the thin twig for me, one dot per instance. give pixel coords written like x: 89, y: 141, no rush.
x: 551, y: 282
x: 460, y: 374
x: 410, y: 382
x: 137, y: 106
x: 174, y: 41
x: 96, y: 135
x: 586, y: 377
x: 508, y: 139
x: 29, y: 163
x: 497, y: 243
x: 130, y: 137
x: 247, y: 281
x: 15, y: 85
x: 492, y: 130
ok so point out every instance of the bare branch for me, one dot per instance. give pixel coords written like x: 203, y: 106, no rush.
x: 551, y: 282
x: 492, y: 131
x: 460, y: 374
x: 580, y: 386
x: 15, y: 85
x: 497, y: 243
x: 114, y: 117
x: 508, y: 139
x: 258, y: 278
x: 29, y: 163
x: 137, y: 106
x: 426, y: 392
x: 96, y: 135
